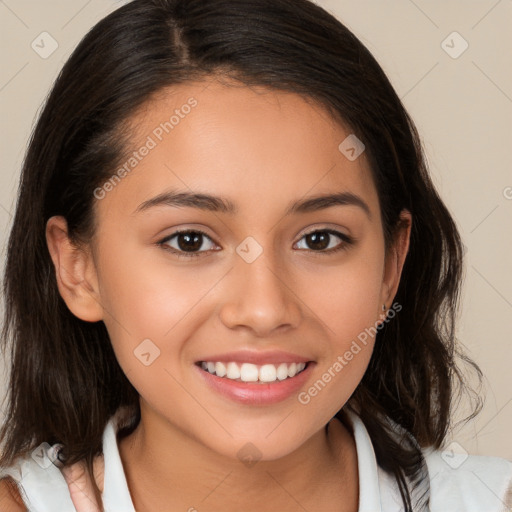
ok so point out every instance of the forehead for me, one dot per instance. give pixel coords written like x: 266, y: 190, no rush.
x: 258, y: 146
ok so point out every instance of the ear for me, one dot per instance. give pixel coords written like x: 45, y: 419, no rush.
x: 395, y: 259
x: 75, y: 272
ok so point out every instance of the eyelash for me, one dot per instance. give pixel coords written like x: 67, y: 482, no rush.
x: 347, y: 242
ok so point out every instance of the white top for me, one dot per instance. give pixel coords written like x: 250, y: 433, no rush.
x: 459, y: 483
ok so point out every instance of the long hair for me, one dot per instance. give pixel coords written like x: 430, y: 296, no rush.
x: 65, y: 381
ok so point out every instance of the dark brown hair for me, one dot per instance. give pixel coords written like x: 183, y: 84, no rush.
x: 65, y: 381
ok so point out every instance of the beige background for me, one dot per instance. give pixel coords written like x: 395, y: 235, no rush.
x: 462, y: 107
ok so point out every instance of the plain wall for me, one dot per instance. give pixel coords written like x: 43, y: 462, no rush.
x: 462, y: 106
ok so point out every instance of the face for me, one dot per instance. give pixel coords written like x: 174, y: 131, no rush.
x: 261, y: 277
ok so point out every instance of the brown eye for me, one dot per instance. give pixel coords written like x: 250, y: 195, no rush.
x: 186, y: 243
x: 320, y: 240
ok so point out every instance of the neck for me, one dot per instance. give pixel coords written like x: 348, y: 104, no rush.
x: 168, y: 470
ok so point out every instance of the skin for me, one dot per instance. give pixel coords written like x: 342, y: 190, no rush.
x: 262, y: 149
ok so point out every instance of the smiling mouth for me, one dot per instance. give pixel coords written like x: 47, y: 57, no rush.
x: 253, y: 373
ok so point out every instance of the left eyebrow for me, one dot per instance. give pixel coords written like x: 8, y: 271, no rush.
x: 313, y: 204
x: 220, y: 204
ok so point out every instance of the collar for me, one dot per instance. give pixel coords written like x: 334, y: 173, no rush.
x: 116, y: 496
x: 367, y: 468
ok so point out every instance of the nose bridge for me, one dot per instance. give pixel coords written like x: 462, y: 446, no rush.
x: 261, y: 297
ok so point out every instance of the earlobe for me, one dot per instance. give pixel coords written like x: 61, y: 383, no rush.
x: 74, y: 271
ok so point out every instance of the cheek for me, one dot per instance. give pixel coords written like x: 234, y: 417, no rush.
x: 148, y: 292
x: 346, y: 297
x: 149, y: 311
x: 153, y: 305
x: 346, y: 345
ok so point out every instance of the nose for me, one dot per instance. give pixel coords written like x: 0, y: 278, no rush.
x: 260, y: 298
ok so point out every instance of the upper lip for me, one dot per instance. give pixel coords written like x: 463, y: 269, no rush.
x: 258, y: 357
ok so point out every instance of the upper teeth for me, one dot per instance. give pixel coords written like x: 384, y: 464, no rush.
x: 248, y: 372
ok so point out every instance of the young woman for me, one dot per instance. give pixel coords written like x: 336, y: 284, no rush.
x: 230, y: 282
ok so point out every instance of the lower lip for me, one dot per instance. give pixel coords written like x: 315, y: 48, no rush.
x: 255, y: 393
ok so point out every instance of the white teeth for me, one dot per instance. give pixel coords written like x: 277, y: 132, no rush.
x: 282, y: 371
x: 220, y: 369
x: 233, y: 371
x: 268, y: 373
x: 248, y: 372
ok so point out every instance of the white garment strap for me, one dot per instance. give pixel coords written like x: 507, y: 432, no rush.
x: 369, y: 491
x: 43, y: 487
x: 116, y: 496
x: 41, y: 484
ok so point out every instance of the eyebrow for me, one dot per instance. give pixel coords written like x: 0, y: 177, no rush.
x: 220, y: 204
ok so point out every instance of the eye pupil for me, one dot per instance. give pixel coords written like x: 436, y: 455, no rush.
x: 187, y: 238
x: 321, y: 237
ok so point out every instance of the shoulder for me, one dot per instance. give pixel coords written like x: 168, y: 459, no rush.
x: 10, y: 498
x: 459, y: 481
x: 34, y: 483
x: 37, y: 482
